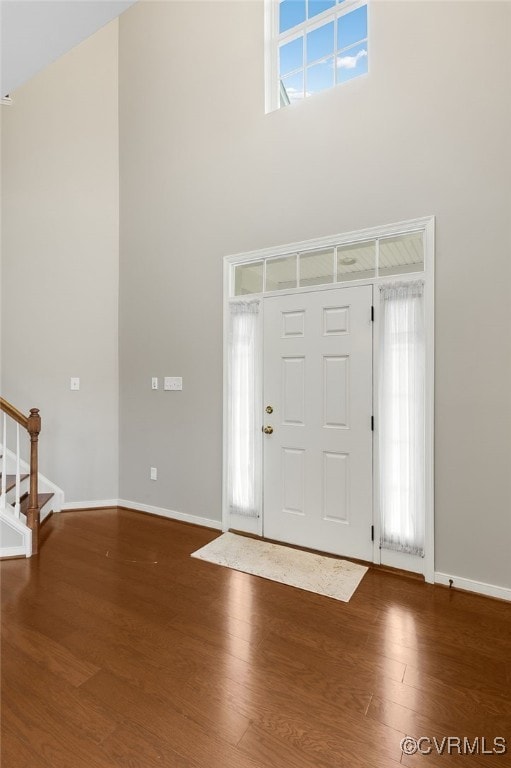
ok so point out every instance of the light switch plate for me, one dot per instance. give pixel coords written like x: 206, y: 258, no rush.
x: 172, y: 383
x: 154, y: 382
x: 74, y: 383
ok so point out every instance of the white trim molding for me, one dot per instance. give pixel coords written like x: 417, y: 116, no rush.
x: 6, y: 552
x: 97, y: 504
x: 136, y: 506
x: 25, y: 548
x: 171, y: 514
x: 469, y: 585
x: 343, y: 238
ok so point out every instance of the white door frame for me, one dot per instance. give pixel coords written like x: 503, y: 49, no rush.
x: 427, y: 225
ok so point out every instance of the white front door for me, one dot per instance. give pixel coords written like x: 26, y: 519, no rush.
x: 318, y: 385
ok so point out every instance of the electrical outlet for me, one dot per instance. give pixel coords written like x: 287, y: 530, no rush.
x: 74, y: 383
x: 154, y: 473
x: 172, y: 383
x: 154, y: 382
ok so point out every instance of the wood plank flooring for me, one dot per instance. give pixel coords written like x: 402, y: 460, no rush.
x: 120, y: 650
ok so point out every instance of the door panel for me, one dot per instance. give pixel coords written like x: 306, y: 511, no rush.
x: 293, y: 390
x: 318, y: 459
x: 336, y: 391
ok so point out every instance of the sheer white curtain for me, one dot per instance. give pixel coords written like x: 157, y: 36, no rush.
x: 401, y: 417
x: 244, y: 439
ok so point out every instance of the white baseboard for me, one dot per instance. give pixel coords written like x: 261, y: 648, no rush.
x: 70, y: 505
x: 136, y: 506
x: 503, y: 593
x: 13, y: 552
x: 171, y: 514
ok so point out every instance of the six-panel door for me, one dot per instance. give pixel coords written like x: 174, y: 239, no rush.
x: 318, y: 458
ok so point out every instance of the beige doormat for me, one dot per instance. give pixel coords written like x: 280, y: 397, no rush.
x: 314, y: 573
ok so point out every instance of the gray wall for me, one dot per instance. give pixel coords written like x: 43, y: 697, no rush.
x: 204, y: 173
x: 60, y: 263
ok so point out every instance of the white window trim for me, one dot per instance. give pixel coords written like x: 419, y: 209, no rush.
x: 427, y: 225
x: 272, y: 39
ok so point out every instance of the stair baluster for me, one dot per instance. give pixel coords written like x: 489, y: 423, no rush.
x: 32, y: 424
x: 34, y: 427
x: 3, y: 496
x: 18, y: 474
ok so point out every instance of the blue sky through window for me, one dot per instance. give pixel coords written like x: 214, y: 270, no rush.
x: 320, y: 76
x: 318, y: 6
x: 291, y: 56
x: 352, y: 63
x: 330, y: 54
x: 352, y: 27
x: 320, y: 42
x: 291, y: 13
x: 294, y: 86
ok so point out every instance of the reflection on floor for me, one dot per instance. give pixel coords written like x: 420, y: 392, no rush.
x: 119, y: 649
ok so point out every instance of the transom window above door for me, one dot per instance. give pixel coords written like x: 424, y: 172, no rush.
x: 314, y: 45
x: 336, y: 263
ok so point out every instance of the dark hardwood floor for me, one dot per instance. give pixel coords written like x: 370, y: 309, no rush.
x: 119, y: 649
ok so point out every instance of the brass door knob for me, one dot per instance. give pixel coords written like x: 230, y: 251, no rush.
x: 268, y: 430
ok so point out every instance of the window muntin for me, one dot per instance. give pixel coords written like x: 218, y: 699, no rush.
x: 318, y: 44
x: 334, y: 264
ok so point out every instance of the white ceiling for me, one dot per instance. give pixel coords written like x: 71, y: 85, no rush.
x: 36, y: 32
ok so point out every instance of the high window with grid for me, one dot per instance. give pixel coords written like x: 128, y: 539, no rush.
x: 313, y: 45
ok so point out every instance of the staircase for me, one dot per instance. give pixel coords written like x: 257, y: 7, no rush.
x: 27, y: 498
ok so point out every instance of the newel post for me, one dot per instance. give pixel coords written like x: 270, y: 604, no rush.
x: 34, y: 427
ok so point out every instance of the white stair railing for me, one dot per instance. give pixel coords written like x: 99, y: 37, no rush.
x: 17, y: 487
x: 18, y: 475
x: 3, y: 496
x: 32, y: 425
